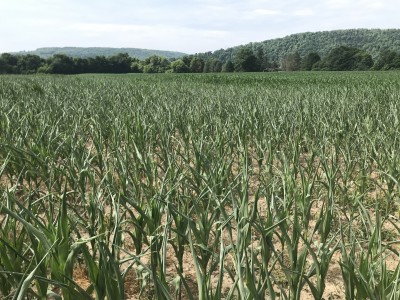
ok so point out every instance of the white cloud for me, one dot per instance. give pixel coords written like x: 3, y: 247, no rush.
x: 359, y: 5
x: 109, y: 28
x: 304, y: 12
x: 337, y: 4
x: 188, y: 26
x: 266, y: 12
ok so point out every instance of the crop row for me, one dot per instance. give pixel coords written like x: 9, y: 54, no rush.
x: 235, y: 186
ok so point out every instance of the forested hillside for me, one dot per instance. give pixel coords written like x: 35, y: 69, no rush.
x: 372, y: 41
x: 341, y: 50
x: 79, y: 52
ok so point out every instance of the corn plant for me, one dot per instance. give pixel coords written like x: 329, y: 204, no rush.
x: 199, y: 186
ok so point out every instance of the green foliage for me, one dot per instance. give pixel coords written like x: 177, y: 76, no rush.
x: 212, y: 65
x: 245, y: 60
x: 309, y: 61
x: 121, y: 63
x: 291, y: 62
x: 200, y: 186
x: 8, y: 64
x: 136, y: 66
x: 228, y: 67
x: 179, y: 66
x: 346, y: 59
x: 61, y: 64
x: 80, y: 52
x: 387, y: 60
x: 262, y: 58
x: 373, y: 41
x: 155, y: 64
x: 196, y: 65
x: 340, y: 50
x: 29, y: 64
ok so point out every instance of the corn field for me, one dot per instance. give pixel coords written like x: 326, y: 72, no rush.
x: 201, y: 186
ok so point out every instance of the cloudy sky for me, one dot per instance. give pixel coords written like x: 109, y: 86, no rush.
x: 189, y: 26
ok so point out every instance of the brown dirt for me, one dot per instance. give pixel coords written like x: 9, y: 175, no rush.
x: 334, y: 283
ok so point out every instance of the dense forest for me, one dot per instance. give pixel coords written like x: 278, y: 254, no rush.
x: 82, y: 52
x: 373, y: 41
x: 245, y: 60
x: 326, y: 51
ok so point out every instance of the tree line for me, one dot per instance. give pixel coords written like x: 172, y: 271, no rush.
x: 245, y: 59
x: 86, y: 52
x: 374, y: 41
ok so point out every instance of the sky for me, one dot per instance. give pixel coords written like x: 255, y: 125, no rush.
x: 189, y: 26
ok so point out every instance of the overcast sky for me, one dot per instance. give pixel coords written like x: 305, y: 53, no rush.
x: 189, y: 26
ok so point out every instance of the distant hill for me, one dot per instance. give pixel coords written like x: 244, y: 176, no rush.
x: 100, y: 51
x: 371, y: 40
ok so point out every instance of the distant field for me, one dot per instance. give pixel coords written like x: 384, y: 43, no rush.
x: 207, y: 186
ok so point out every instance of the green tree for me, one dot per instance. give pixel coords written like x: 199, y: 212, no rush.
x: 372, y: 41
x: 216, y: 65
x: 347, y: 59
x: 228, y: 66
x: 121, y: 63
x: 29, y: 64
x: 196, y: 65
x: 262, y: 59
x: 245, y: 60
x: 156, y: 64
x: 98, y: 64
x: 179, y: 66
x: 207, y: 66
x: 309, y: 61
x: 387, y: 60
x: 3, y: 66
x: 81, y: 65
x: 44, y: 69
x: 291, y: 62
x: 8, y: 64
x: 187, y: 59
x: 364, y: 61
x: 136, y: 66
x: 61, y: 64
